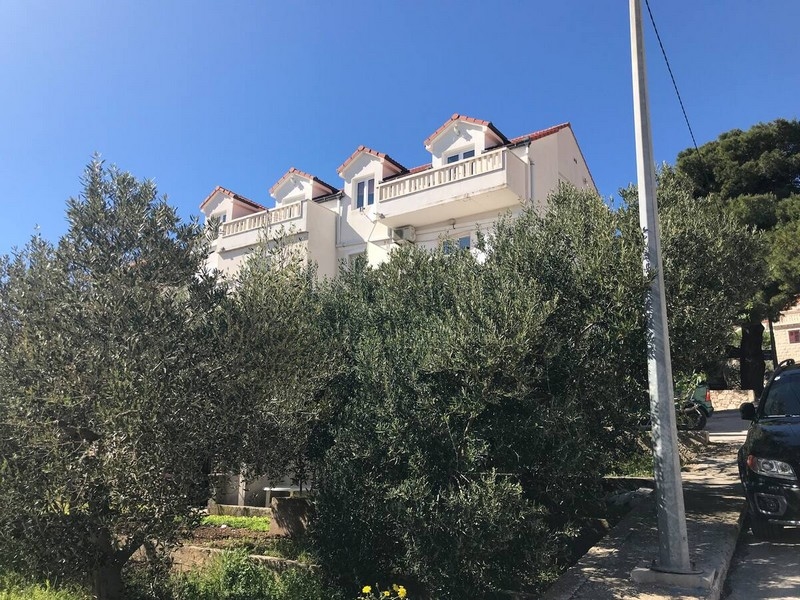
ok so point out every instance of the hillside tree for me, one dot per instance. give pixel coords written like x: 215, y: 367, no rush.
x: 755, y: 175
x: 108, y: 411
x: 705, y: 282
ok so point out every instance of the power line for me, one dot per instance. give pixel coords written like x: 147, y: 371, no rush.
x: 674, y: 83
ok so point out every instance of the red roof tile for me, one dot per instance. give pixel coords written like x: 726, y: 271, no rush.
x: 363, y: 148
x: 458, y: 117
x: 303, y: 174
x: 539, y: 134
x: 233, y: 195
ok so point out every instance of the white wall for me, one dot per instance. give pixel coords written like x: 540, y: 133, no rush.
x: 571, y: 165
x: 321, y: 225
x: 293, y: 189
x: 222, y: 204
x: 544, y: 155
x: 358, y: 227
x: 790, y: 320
x: 469, y: 136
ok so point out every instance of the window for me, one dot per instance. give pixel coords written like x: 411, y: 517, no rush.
x: 365, y: 193
x: 452, y: 246
x: 794, y: 336
x: 460, y: 156
x: 221, y: 216
x: 783, y: 395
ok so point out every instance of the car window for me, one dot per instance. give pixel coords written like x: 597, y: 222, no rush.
x: 783, y: 395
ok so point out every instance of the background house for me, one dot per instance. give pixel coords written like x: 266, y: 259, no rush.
x: 787, y: 334
x: 475, y: 174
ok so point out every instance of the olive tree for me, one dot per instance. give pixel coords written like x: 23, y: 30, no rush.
x: 107, y: 385
x: 710, y: 274
x: 755, y: 176
x: 480, y: 402
x: 277, y: 364
x: 481, y: 398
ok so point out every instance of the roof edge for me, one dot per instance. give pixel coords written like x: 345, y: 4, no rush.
x: 299, y: 173
x: 234, y: 195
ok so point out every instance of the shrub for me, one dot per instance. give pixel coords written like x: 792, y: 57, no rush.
x: 13, y: 587
x: 237, y: 577
x: 481, y: 403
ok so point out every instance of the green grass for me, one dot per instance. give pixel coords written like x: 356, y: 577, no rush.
x: 278, y: 547
x: 250, y: 523
x: 235, y: 577
x: 13, y: 588
x: 636, y: 464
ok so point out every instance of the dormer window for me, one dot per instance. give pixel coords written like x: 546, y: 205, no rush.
x: 460, y: 156
x: 365, y: 193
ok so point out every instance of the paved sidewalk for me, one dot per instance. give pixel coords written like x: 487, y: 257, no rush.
x: 714, y: 510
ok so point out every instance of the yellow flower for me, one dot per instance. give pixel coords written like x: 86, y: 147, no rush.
x: 386, y: 594
x: 401, y: 592
x: 366, y: 589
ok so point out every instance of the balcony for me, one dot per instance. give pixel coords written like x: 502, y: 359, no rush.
x: 494, y: 181
x: 247, y: 231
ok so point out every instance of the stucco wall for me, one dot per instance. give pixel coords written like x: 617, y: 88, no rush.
x: 322, y: 238
x: 789, y: 321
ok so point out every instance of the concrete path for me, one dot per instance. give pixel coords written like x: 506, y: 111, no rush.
x: 714, y: 504
x: 727, y: 426
x: 714, y: 510
x: 765, y: 569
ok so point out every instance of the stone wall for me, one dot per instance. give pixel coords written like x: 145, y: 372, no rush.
x: 730, y: 399
x: 233, y: 510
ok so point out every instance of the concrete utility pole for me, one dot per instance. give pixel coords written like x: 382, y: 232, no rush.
x: 673, y: 543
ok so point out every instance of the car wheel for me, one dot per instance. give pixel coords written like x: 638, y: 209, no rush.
x: 763, y: 529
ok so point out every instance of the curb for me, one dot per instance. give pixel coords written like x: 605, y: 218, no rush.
x: 715, y: 510
x: 727, y: 553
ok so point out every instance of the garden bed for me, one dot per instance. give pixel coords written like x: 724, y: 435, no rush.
x: 250, y: 534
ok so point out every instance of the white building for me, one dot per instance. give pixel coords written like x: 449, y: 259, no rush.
x: 475, y: 174
x: 787, y: 334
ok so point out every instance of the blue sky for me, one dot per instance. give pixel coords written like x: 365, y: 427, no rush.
x: 200, y: 93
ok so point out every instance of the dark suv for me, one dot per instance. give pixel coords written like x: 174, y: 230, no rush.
x: 769, y: 460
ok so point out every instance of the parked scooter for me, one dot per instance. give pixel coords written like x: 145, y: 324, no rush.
x: 694, y: 411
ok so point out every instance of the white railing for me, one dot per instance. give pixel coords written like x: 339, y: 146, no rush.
x: 263, y: 219
x: 477, y: 165
x: 286, y: 213
x: 248, y: 223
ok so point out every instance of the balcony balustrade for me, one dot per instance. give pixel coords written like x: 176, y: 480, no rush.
x: 495, y: 180
x: 477, y: 165
x: 280, y: 215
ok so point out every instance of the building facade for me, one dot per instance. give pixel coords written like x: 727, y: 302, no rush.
x: 787, y: 334
x: 475, y: 174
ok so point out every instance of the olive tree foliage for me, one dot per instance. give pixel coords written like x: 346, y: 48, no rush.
x: 706, y: 282
x: 479, y: 403
x: 276, y: 362
x: 755, y: 176
x: 107, y: 379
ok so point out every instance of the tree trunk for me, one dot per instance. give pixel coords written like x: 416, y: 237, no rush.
x: 751, y: 357
x: 107, y: 580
